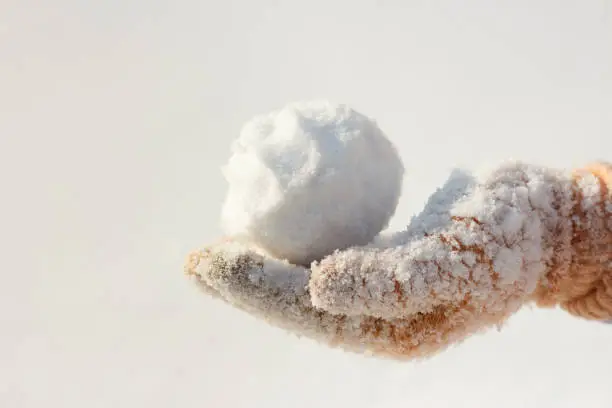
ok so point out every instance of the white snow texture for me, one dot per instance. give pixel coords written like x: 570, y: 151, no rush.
x: 311, y: 178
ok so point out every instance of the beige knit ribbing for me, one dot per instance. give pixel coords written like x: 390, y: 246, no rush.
x: 584, y: 286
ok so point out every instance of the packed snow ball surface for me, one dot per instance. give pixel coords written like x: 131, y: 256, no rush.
x: 311, y: 178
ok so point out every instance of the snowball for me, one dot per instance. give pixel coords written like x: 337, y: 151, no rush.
x: 311, y: 178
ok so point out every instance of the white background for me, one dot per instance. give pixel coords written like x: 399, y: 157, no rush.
x: 116, y: 115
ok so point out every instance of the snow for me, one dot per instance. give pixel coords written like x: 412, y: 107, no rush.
x: 310, y: 178
x: 116, y: 116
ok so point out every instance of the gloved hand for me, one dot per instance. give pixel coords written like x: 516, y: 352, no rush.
x: 479, y: 251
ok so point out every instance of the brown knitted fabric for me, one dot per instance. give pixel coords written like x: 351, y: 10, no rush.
x: 583, y: 284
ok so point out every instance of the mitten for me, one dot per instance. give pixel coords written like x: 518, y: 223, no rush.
x: 480, y: 250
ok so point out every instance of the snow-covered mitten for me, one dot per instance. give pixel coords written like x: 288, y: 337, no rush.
x: 480, y: 250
